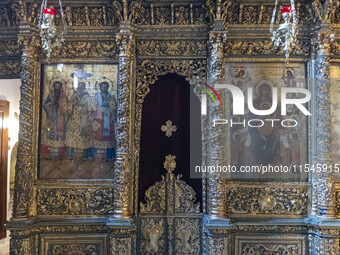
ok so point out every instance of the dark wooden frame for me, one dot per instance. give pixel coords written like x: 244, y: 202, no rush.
x: 4, y: 109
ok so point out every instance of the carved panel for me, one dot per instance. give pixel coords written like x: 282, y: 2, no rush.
x: 152, y: 236
x: 80, y: 244
x: 187, y: 232
x: 20, y: 246
x: 84, y: 49
x: 273, y: 244
x: 171, y: 48
x: 219, y: 245
x: 263, y: 47
x: 171, y: 193
x: 121, y: 245
x: 261, y: 200
x: 335, y: 47
x: 10, y: 67
x: 74, y: 201
x: 10, y: 48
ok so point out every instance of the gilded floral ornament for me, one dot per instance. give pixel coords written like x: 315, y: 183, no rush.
x: 170, y: 163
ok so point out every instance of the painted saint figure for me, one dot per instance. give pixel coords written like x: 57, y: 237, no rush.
x: 79, y: 135
x: 104, y: 124
x: 55, y: 108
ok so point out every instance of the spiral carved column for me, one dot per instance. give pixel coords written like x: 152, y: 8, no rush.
x: 323, y: 181
x: 216, y: 195
x: 123, y: 177
x: 326, y: 238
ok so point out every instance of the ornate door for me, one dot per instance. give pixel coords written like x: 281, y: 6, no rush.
x: 169, y: 222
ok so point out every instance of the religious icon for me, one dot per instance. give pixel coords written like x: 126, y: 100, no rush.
x: 78, y: 138
x: 55, y: 124
x: 79, y: 135
x: 104, y: 122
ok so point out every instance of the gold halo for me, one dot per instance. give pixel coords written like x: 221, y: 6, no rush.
x: 63, y: 83
x: 104, y: 79
x: 263, y: 82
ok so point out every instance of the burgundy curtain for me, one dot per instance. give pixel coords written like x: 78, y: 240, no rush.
x: 169, y: 99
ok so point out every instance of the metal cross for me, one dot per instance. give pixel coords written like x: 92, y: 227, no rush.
x: 168, y: 128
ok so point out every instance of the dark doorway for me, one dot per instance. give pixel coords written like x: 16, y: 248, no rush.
x: 170, y: 98
x: 4, y: 113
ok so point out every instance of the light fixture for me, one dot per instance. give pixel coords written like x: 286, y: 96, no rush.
x: 51, y: 36
x: 285, y: 35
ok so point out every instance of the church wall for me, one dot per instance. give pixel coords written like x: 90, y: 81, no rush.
x: 10, y: 91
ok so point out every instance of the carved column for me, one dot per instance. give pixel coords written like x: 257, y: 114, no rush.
x: 216, y: 195
x: 326, y: 238
x: 24, y: 173
x: 123, y: 166
x: 323, y: 181
x: 23, y: 200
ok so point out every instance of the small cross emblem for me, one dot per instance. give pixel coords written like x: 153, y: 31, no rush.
x: 168, y: 128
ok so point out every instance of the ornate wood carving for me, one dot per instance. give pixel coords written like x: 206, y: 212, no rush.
x: 266, y: 200
x: 263, y: 47
x: 28, y: 135
x: 74, y: 201
x: 87, y: 49
x: 323, y: 182
x: 122, y: 177
x: 168, y: 220
x: 216, y: 145
x: 147, y: 74
x: 171, y: 48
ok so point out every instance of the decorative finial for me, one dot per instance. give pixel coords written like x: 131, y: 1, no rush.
x: 170, y: 163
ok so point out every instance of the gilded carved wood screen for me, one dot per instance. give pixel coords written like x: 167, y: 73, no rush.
x: 79, y: 196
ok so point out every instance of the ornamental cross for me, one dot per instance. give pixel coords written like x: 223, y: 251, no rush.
x: 168, y: 128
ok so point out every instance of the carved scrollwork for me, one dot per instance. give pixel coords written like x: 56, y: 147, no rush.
x: 86, y: 49
x: 182, y: 15
x: 171, y: 48
x: 9, y: 67
x: 185, y: 197
x: 335, y: 47
x: 264, y: 47
x: 74, y: 201
x: 20, y: 246
x: 79, y: 249
x: 187, y: 236
x: 256, y: 200
x: 121, y: 245
x: 149, y: 70
x: 10, y: 48
x: 153, y: 239
x: 170, y: 193
x: 155, y: 198
x: 257, y: 248
x: 219, y: 245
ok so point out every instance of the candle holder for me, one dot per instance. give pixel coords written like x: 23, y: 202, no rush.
x: 285, y: 35
x: 51, y: 36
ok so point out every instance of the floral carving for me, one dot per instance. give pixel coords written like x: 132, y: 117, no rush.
x: 170, y: 193
x: 79, y: 249
x: 75, y: 202
x: 172, y: 48
x: 86, y: 49
x: 256, y: 200
x: 259, y: 248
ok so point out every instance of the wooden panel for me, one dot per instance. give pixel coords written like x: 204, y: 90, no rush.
x: 4, y: 110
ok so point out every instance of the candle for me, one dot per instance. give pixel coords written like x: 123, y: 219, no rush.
x: 49, y: 11
x: 286, y: 9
